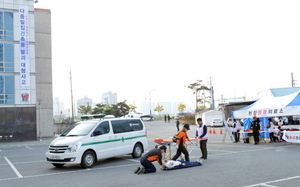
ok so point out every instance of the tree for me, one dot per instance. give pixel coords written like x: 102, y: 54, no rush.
x: 98, y: 109
x: 199, y: 90
x: 120, y: 109
x: 159, y: 108
x: 181, y: 107
x: 84, y: 110
x: 107, y: 109
x: 132, y: 108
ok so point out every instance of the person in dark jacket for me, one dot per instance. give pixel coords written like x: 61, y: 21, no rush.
x: 182, y: 137
x: 255, y: 126
x: 148, y: 158
x: 177, y: 124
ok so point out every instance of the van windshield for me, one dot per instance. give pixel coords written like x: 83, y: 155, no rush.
x: 80, y: 129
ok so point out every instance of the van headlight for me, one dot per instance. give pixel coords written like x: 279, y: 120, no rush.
x: 75, y: 147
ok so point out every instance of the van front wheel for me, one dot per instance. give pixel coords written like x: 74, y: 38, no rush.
x: 137, y: 151
x: 88, y: 159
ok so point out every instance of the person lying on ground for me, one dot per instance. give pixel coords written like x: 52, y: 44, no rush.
x: 177, y: 164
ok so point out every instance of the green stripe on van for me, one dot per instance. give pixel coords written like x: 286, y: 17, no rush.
x: 115, y: 140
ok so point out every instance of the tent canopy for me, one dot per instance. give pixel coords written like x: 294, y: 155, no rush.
x: 268, y: 106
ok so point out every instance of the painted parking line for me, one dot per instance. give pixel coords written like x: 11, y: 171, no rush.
x: 14, y: 168
x: 68, y: 172
x: 274, y: 181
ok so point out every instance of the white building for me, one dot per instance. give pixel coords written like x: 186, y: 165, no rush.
x: 25, y: 71
x: 110, y: 98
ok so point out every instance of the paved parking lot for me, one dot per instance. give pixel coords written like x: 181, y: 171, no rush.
x: 228, y: 164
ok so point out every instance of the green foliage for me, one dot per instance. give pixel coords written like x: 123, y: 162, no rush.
x: 132, y: 108
x: 84, y: 110
x: 200, y: 91
x: 159, y: 108
x: 120, y: 109
x: 181, y: 107
x: 201, y: 107
x: 98, y: 109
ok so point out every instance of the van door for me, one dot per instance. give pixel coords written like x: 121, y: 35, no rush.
x: 127, y: 132
x: 103, y: 139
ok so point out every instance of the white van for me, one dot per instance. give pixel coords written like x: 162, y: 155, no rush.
x: 88, y: 141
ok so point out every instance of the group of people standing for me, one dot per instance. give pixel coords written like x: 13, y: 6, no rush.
x: 167, y: 118
x: 180, y: 139
x: 275, y: 133
x: 202, y: 135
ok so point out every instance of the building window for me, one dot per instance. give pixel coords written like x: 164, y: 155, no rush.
x: 7, y: 91
x: 6, y: 25
x: 6, y: 57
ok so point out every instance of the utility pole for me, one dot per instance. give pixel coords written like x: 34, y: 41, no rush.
x: 71, y: 97
x: 293, y: 81
x: 212, y: 102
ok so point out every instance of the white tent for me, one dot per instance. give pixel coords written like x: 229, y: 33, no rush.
x: 268, y: 106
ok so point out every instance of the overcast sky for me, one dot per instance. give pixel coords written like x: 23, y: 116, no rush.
x: 134, y: 46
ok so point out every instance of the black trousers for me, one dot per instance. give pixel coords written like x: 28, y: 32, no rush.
x: 181, y: 149
x: 149, y: 167
x: 236, y: 136
x: 203, y: 148
x: 256, y: 136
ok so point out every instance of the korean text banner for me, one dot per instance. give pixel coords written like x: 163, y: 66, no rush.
x: 24, y: 53
x: 291, y: 136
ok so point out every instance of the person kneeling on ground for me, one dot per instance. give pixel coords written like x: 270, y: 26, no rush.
x: 172, y: 164
x: 148, y: 158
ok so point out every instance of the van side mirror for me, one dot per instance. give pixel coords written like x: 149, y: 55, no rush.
x: 97, y: 133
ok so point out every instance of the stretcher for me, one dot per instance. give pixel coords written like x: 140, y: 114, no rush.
x: 169, y: 143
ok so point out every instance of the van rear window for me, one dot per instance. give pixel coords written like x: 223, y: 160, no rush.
x: 120, y: 126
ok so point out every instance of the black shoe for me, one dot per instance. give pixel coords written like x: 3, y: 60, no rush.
x: 137, y: 170
x: 142, y: 170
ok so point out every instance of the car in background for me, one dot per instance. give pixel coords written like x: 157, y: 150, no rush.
x: 179, y: 115
x: 217, y: 122
x: 296, y: 120
x: 147, y: 117
x: 229, y: 121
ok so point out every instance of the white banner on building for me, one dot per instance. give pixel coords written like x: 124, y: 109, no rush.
x: 24, y: 53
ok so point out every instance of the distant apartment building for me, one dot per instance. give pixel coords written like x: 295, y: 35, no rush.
x: 26, y: 104
x: 110, y: 98
x: 59, y: 110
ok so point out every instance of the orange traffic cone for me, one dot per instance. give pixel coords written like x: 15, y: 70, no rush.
x: 209, y: 131
x: 214, y: 130
x: 221, y: 130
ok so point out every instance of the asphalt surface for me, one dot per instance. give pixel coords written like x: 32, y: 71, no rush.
x: 229, y: 164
